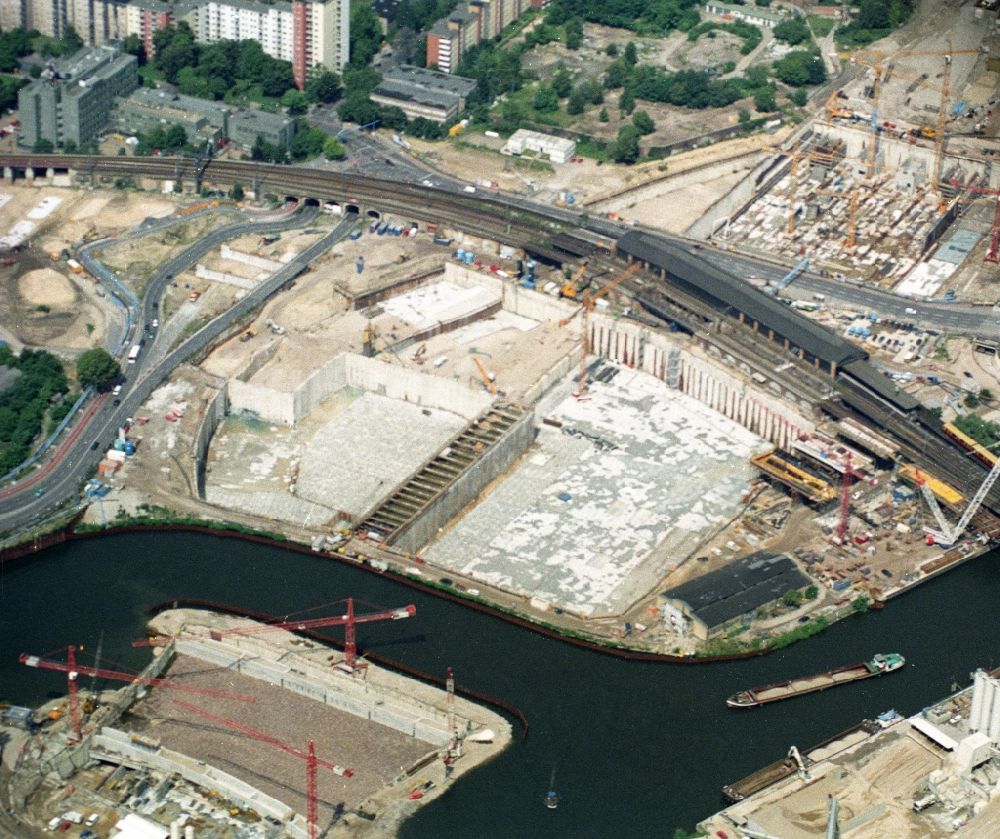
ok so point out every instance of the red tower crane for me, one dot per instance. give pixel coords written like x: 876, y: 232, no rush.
x: 73, y: 671
x: 309, y: 756
x: 348, y: 620
x: 850, y: 474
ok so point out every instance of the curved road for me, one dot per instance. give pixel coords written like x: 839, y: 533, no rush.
x: 63, y: 483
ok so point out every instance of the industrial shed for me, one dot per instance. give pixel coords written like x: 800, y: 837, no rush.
x: 730, y: 294
x: 707, y: 605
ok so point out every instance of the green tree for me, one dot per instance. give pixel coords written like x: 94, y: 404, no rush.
x: 873, y: 14
x: 324, y: 86
x: 295, y: 101
x: 333, y: 149
x: 764, y: 101
x: 792, y: 598
x: 573, y: 33
x: 545, y: 100
x: 612, y: 50
x: 71, y: 41
x: 133, y: 46
x: 744, y: 115
x: 801, y: 67
x: 562, y: 82
x: 176, y: 137
x: 860, y: 604
x: 96, y: 368
x: 625, y: 148
x: 236, y: 193
x: 603, y: 115
x: 812, y: 593
x: 799, y: 97
x: 577, y: 102
x: 626, y: 102
x: 365, y: 33
x: 43, y: 146
x: 643, y: 122
x: 793, y: 31
x: 631, y: 54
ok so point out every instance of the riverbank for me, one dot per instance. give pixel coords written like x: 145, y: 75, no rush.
x: 598, y: 636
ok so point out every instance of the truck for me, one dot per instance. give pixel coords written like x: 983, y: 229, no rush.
x: 133, y: 353
x: 74, y: 266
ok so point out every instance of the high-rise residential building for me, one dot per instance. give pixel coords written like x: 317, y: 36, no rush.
x: 307, y: 33
x: 466, y: 27
x: 72, y: 99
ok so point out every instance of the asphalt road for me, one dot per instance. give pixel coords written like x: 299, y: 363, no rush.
x: 63, y: 483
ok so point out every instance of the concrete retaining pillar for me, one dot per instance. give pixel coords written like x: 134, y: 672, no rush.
x: 29, y: 174
x: 8, y: 174
x: 50, y: 173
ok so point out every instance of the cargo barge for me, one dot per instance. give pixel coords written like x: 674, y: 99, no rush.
x: 880, y: 663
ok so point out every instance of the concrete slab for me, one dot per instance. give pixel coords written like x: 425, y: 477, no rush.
x: 440, y: 301
x: 601, y: 508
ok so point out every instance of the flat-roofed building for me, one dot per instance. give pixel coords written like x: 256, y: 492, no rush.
x: 708, y: 605
x: 557, y: 149
x: 246, y: 126
x: 430, y: 94
x: 73, y: 98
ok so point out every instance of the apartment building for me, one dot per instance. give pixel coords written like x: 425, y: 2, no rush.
x: 468, y: 26
x: 307, y: 33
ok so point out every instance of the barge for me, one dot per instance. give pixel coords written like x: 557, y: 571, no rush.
x: 880, y: 664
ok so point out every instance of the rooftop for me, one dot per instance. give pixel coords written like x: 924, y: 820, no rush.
x: 721, y: 287
x: 739, y: 588
x: 428, y: 87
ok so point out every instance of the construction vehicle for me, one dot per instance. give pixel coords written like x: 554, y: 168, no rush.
x: 572, y: 287
x: 246, y: 336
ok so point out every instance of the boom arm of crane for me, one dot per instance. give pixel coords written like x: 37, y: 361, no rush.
x: 492, y: 388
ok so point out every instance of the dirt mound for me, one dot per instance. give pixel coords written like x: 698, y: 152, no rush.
x: 46, y: 287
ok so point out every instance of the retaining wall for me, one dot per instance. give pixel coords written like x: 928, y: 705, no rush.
x: 379, y: 704
x: 114, y: 746
x: 215, y: 412
x: 269, y: 265
x: 450, y: 503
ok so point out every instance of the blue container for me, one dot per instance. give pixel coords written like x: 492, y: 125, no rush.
x: 129, y: 448
x: 119, y: 444
x: 469, y: 257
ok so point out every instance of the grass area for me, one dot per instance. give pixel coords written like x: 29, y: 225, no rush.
x: 731, y: 644
x: 820, y: 26
x: 750, y: 34
x: 155, y: 514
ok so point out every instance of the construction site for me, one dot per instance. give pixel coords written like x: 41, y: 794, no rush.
x: 934, y: 774
x: 236, y: 729
x: 894, y: 184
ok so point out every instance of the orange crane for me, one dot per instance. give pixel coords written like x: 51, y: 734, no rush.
x: 73, y: 672
x: 850, y: 475
x: 487, y: 380
x: 585, y: 309
x: 875, y: 60
x: 348, y: 620
x: 309, y: 756
x: 570, y: 288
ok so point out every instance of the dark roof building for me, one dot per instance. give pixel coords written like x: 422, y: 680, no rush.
x: 709, y: 603
x: 729, y: 294
x: 423, y: 93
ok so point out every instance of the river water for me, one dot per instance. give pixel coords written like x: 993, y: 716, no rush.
x: 636, y: 749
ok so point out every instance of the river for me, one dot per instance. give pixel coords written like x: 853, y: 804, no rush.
x: 636, y: 749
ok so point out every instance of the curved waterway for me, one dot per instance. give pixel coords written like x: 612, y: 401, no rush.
x: 636, y: 749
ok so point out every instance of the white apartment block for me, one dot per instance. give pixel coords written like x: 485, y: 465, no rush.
x: 306, y: 33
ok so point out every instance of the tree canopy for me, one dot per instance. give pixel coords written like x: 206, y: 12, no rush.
x: 24, y: 404
x: 801, y: 67
x: 96, y: 368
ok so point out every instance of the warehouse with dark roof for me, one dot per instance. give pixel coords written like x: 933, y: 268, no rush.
x: 733, y: 296
x: 709, y: 604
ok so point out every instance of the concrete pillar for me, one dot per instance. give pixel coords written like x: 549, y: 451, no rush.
x: 50, y: 173
x: 29, y: 174
x: 994, y: 727
x: 978, y: 689
x: 8, y: 174
x: 175, y: 829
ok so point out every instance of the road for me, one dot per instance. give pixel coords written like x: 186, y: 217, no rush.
x: 977, y: 321
x: 62, y: 484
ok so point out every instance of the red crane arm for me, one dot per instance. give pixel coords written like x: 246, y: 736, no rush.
x: 264, y: 738
x: 82, y: 670
x: 311, y: 623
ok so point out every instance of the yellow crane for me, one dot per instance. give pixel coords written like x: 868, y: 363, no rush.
x: 876, y: 60
x: 588, y: 304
